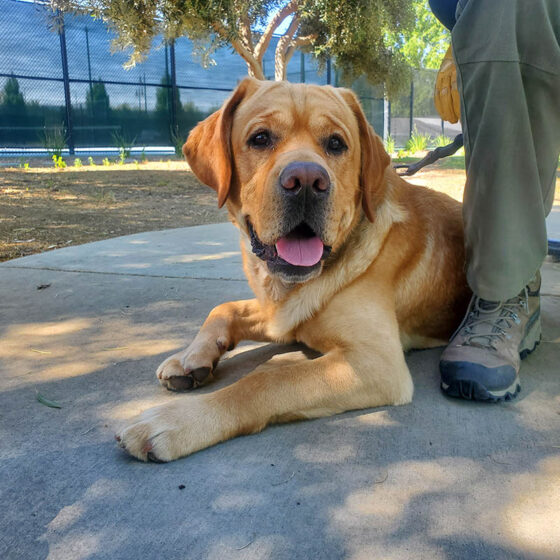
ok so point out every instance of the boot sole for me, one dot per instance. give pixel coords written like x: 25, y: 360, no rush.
x: 473, y: 391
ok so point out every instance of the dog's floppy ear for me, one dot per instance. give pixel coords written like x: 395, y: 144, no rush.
x: 374, y: 159
x: 208, y: 147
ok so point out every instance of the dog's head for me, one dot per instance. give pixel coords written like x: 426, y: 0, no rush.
x: 297, y: 164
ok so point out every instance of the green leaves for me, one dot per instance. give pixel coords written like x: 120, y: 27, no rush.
x: 423, y: 44
x: 357, y: 35
x: 368, y: 37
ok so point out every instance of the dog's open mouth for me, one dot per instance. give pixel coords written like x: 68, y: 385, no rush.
x: 300, y: 251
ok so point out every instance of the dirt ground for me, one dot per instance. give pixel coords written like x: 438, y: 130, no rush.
x: 42, y: 208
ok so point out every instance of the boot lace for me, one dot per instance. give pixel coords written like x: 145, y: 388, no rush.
x: 488, y: 322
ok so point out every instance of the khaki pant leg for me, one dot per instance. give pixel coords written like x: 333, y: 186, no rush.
x: 508, y: 59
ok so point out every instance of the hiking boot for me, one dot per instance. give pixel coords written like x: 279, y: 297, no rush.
x: 483, y: 357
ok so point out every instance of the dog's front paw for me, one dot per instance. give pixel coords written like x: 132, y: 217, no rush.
x: 167, y: 432
x: 191, y: 368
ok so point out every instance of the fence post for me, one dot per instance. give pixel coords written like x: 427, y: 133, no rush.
x: 66, y: 78
x: 301, y: 67
x: 89, y: 67
x: 174, y: 126
x: 411, y: 121
x: 329, y: 70
x: 386, y: 118
x: 389, y: 117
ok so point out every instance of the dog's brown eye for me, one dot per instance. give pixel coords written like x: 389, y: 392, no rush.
x: 260, y: 139
x: 336, y: 145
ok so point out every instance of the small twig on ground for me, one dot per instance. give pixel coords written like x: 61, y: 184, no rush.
x: 88, y: 430
x: 284, y: 481
x: 21, y: 374
x: 248, y: 544
x: 382, y: 480
x: 498, y: 462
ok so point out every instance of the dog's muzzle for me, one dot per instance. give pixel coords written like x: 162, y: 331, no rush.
x: 304, y: 189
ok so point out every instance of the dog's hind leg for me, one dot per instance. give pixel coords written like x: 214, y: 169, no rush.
x: 226, y: 325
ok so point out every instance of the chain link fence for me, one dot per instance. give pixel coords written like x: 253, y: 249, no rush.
x: 64, y: 87
x: 415, y: 114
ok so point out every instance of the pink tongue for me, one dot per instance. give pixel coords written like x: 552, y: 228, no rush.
x: 300, y: 252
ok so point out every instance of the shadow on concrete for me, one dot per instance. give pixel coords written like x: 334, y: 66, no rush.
x: 434, y: 479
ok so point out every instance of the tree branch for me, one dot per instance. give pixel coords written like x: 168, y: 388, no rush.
x: 297, y: 42
x: 265, y: 38
x: 301, y: 41
x: 280, y: 62
x: 245, y: 29
x: 255, y: 68
x: 289, y: 53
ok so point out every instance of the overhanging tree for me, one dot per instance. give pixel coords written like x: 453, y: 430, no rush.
x: 424, y: 44
x: 357, y: 34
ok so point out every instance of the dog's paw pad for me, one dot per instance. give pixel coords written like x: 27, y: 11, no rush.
x: 201, y: 374
x: 188, y: 380
x: 179, y: 383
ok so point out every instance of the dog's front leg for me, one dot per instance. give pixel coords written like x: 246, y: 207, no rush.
x: 337, y: 381
x: 226, y: 325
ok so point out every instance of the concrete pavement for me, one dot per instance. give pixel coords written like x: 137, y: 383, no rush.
x: 87, y: 326
x: 553, y: 223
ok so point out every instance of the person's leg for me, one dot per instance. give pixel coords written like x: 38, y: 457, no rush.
x: 508, y: 60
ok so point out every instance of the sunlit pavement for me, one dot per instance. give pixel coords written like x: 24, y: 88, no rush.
x: 87, y: 326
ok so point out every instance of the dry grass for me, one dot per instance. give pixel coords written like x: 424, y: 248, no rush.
x: 42, y: 208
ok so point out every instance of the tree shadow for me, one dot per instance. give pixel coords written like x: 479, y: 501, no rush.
x: 434, y: 479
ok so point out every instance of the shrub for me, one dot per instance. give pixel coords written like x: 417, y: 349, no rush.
x: 177, y: 140
x: 54, y: 140
x: 23, y: 164
x: 442, y: 140
x: 124, y: 144
x: 390, y: 145
x: 417, y: 142
x: 58, y: 161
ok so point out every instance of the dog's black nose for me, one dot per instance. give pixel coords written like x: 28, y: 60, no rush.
x: 299, y: 176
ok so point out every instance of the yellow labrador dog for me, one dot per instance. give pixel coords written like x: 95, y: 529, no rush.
x: 341, y: 254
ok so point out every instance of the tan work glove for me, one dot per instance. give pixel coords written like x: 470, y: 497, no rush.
x: 446, y: 94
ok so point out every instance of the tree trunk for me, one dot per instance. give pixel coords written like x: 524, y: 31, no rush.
x: 279, y: 66
x: 254, y: 70
x: 283, y: 48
